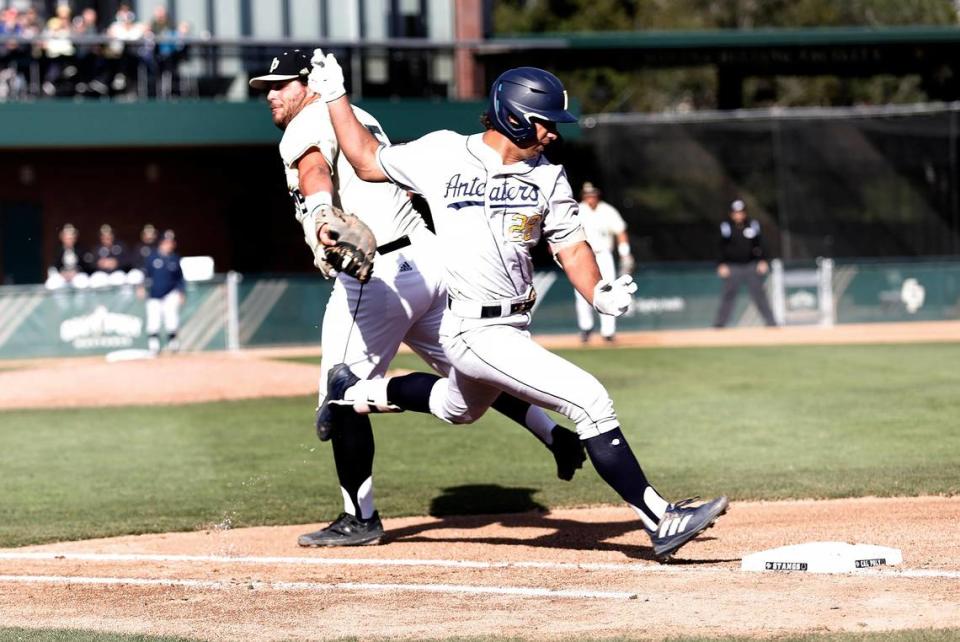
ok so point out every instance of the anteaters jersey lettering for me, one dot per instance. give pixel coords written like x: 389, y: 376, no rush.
x: 498, y: 211
x: 382, y: 206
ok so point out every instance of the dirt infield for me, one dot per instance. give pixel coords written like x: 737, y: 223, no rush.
x: 573, y: 572
x: 568, y: 573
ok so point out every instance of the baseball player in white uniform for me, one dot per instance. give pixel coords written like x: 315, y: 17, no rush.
x: 603, y: 227
x: 364, y: 323
x: 493, y: 196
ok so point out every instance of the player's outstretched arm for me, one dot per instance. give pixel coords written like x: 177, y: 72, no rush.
x: 356, y: 141
x: 580, y: 264
x: 606, y: 297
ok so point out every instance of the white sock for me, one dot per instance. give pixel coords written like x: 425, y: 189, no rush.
x: 540, y: 424
x: 369, y: 395
x: 364, y: 499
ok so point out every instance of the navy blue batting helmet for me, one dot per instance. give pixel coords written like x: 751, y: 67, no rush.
x: 524, y: 93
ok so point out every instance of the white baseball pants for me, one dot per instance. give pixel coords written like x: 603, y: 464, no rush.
x: 494, y: 355
x: 165, y: 311
x: 403, y: 301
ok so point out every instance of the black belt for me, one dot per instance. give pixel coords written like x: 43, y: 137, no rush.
x: 490, y: 311
x: 394, y: 245
x: 494, y: 311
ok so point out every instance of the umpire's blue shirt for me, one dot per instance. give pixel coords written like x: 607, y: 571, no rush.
x: 164, y: 273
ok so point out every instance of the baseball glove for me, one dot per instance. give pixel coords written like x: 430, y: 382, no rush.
x: 355, y: 245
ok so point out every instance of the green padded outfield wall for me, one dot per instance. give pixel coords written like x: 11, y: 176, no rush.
x: 188, y: 123
x: 35, y: 322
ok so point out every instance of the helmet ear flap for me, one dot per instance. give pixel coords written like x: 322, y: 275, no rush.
x: 507, y: 120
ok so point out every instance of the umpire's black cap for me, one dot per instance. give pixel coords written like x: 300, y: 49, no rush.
x: 290, y: 64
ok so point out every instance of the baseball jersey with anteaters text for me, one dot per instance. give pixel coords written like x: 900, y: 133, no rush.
x: 500, y: 212
x: 383, y: 207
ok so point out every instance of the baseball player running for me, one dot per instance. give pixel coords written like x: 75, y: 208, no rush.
x: 364, y: 323
x: 493, y: 196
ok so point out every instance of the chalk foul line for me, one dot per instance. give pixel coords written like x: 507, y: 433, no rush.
x: 518, y: 591
x: 348, y: 561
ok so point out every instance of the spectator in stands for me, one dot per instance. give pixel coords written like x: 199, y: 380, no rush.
x: 69, y: 263
x: 123, y: 50
x: 170, y: 51
x: 147, y: 246
x: 10, y: 22
x: 160, y: 22
x: 58, y: 49
x: 110, y: 255
x: 31, y: 26
x: 743, y: 260
x: 166, y: 293
x: 27, y: 25
x: 139, y: 57
x: 14, y: 57
x: 91, y: 70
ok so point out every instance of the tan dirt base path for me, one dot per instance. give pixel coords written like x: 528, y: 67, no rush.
x: 702, y: 592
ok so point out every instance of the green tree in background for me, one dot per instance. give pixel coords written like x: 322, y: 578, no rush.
x: 605, y: 89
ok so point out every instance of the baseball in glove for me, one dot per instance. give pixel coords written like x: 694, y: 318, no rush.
x: 349, y: 244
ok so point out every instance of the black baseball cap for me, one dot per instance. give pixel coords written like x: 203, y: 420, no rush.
x: 288, y: 65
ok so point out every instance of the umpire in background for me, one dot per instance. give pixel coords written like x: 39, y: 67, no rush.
x: 743, y: 259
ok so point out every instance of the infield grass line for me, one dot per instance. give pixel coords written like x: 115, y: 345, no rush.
x: 360, y: 561
x: 318, y: 587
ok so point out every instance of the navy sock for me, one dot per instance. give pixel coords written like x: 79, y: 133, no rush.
x: 616, y: 464
x: 514, y: 409
x: 353, y: 450
x: 412, y: 391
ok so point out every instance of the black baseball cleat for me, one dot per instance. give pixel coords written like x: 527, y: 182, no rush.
x: 339, y: 380
x: 568, y: 451
x: 346, y: 530
x: 681, y: 523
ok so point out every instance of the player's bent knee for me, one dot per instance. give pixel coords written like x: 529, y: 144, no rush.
x: 596, y: 414
x: 455, y: 414
x: 452, y: 411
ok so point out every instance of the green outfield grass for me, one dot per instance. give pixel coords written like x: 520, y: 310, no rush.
x: 755, y: 423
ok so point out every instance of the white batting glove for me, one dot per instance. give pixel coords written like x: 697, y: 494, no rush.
x: 326, y: 77
x: 614, y: 298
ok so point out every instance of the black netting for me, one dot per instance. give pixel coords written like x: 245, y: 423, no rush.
x: 838, y: 183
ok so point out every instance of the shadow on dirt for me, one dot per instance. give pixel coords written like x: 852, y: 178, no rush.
x: 476, y: 506
x: 484, y: 499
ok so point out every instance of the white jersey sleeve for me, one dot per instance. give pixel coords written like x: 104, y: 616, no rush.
x: 416, y: 165
x: 562, y: 224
